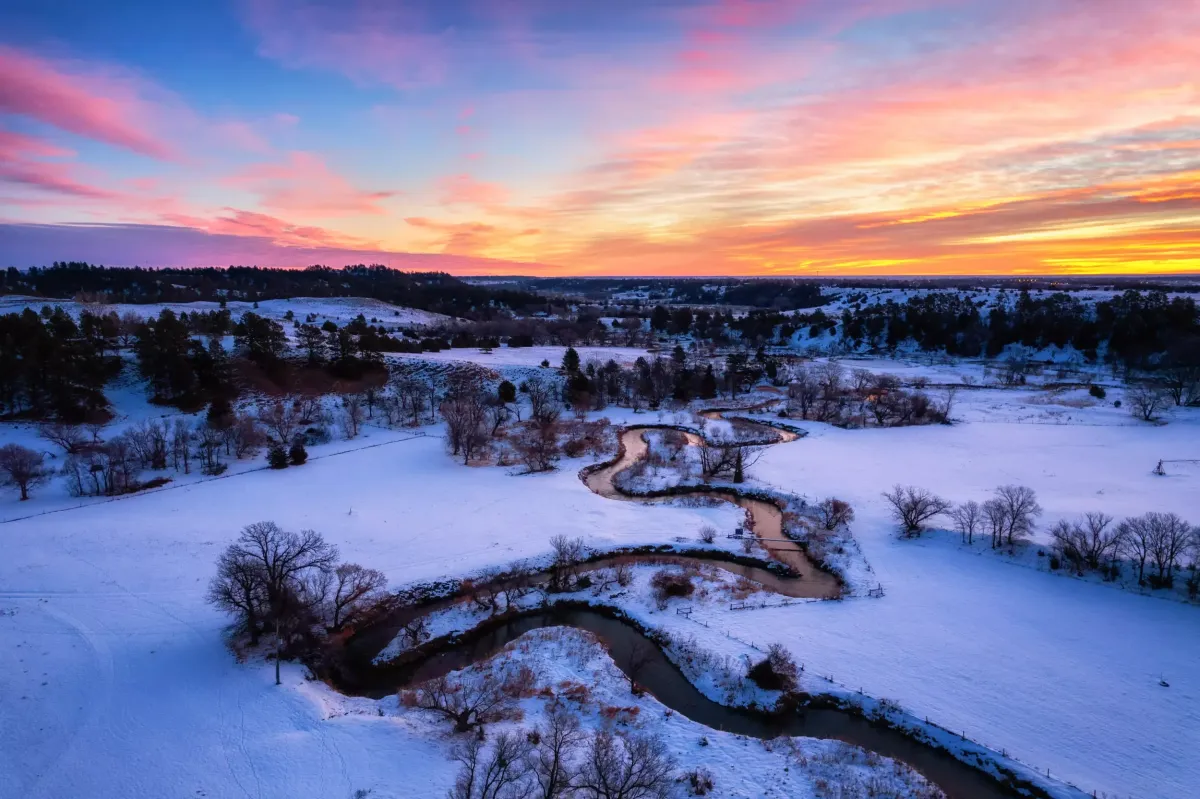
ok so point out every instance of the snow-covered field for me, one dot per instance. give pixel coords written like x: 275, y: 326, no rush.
x: 339, y: 310
x: 530, y: 356
x: 114, y: 680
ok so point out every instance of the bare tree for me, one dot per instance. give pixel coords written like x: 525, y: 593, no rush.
x: 543, y: 393
x: 1170, y: 538
x: 468, y: 700
x: 22, y: 467
x: 551, y: 762
x: 626, y: 767
x: 968, y: 520
x: 181, y: 445
x: 833, y: 513
x: 352, y: 414
x: 245, y: 437
x: 568, y: 556
x: 639, y: 656
x: 536, y: 445
x: 285, y: 567
x: 1146, y: 401
x: 802, y: 392
x: 912, y: 507
x: 725, y: 457
x: 352, y: 591
x: 69, y: 437
x: 1089, y: 543
x: 1021, y: 509
x: 465, y: 412
x: 1137, y: 542
x: 281, y: 418
x: 499, y: 773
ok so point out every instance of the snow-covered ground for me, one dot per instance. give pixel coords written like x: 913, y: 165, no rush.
x: 339, y: 310
x: 114, y: 680
x: 529, y: 356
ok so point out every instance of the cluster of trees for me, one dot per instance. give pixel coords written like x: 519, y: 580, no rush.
x: 52, y: 366
x: 1091, y: 543
x: 1008, y: 517
x: 431, y: 291
x: 1141, y: 329
x: 1162, y: 540
x: 827, y: 393
x: 556, y: 760
x: 291, y: 586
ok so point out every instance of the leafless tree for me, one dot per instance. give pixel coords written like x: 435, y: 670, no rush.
x: 912, y: 507
x: 833, y: 513
x: 639, y: 656
x: 285, y: 568
x: 802, y: 391
x: 353, y: 414
x: 468, y: 700
x: 948, y: 398
x: 22, y: 467
x: 352, y: 591
x: 149, y: 442
x: 245, y: 437
x: 497, y: 414
x: 181, y: 445
x: 995, y: 520
x: 726, y: 457
x: 465, y: 412
x: 626, y: 767
x: 1087, y: 543
x: 1170, y: 538
x: 1137, y: 542
x: 281, y: 418
x: 568, y: 556
x: 829, y: 380
x: 551, y: 763
x: 544, y: 403
x: 414, y: 632
x: 1021, y: 508
x: 536, y: 445
x: 623, y: 574
x: 69, y: 437
x: 1146, y: 402
x: 499, y: 773
x: 209, y: 441
x: 968, y: 520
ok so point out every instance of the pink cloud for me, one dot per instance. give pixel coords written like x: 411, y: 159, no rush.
x: 21, y: 164
x: 466, y: 190
x: 98, y: 106
x: 303, y: 183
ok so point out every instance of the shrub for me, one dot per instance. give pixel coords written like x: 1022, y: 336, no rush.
x: 298, y: 454
x: 777, y: 671
x: 668, y: 583
x: 277, y: 458
x: 1097, y: 391
x: 700, y: 780
x: 708, y: 534
x: 1054, y: 563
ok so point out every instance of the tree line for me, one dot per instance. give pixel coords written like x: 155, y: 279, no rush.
x: 431, y: 291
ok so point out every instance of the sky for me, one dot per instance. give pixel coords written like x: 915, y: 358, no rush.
x: 605, y: 137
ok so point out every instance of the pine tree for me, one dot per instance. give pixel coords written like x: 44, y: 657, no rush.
x: 298, y: 454
x: 277, y: 458
x: 570, y: 361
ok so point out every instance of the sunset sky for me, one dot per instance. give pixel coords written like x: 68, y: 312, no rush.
x: 604, y: 137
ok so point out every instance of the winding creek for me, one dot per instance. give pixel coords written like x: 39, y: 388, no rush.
x: 359, y: 675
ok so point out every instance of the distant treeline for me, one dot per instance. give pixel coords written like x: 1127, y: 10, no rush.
x: 1135, y: 328
x: 429, y: 291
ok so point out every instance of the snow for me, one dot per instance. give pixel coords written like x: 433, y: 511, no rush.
x: 336, y: 309
x: 529, y: 356
x: 114, y: 680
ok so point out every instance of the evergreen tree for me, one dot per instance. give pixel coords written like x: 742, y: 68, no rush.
x: 277, y: 457
x: 570, y: 361
x: 298, y: 454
